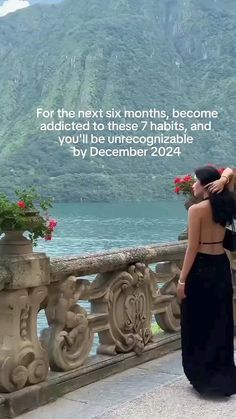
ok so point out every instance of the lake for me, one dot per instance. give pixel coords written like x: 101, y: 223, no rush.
x: 94, y: 227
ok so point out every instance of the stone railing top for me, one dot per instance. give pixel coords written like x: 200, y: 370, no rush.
x: 89, y: 264
x: 17, y: 271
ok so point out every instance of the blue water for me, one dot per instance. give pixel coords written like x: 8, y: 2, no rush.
x: 89, y: 228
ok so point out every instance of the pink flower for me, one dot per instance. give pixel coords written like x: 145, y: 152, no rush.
x: 52, y: 224
x: 177, y: 189
x: 48, y: 237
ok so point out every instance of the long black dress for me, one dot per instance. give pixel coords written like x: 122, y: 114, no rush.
x: 207, y: 330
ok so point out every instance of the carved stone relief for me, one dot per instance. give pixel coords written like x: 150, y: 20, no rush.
x: 68, y: 338
x: 22, y: 359
x: 166, y: 306
x: 126, y: 297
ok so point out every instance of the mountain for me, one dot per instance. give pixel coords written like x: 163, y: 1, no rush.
x: 114, y: 53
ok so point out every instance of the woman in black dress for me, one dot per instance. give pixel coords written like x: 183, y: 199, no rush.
x: 205, y: 288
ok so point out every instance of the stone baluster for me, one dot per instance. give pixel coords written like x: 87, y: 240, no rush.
x: 69, y: 337
x: 23, y: 360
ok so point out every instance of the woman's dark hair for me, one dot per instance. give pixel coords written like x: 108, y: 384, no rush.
x: 223, y: 203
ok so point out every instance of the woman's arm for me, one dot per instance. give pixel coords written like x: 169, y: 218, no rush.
x: 227, y: 178
x: 194, y: 223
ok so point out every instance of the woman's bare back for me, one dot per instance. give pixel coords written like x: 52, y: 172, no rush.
x: 210, y: 231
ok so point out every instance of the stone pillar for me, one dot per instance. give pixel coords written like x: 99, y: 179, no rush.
x: 23, y: 360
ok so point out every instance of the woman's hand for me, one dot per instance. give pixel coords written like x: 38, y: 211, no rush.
x: 180, y: 291
x: 217, y: 186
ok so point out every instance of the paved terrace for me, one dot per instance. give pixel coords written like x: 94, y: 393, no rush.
x: 155, y: 389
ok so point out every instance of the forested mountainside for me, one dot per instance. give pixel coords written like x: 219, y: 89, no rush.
x: 114, y: 53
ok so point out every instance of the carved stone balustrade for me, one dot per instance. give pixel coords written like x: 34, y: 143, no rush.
x: 124, y: 295
x: 130, y: 288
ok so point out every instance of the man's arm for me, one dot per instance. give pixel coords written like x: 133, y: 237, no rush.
x: 226, y: 179
x: 228, y: 174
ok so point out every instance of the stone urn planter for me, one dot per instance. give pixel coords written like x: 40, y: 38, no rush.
x: 27, y: 213
x: 191, y: 201
x: 14, y: 242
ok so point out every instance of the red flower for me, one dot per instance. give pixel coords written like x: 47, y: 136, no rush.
x: 177, y: 189
x: 177, y: 180
x: 48, y: 237
x: 187, y: 178
x: 21, y: 204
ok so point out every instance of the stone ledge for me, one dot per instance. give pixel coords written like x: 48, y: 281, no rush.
x: 109, y: 261
x: 96, y: 368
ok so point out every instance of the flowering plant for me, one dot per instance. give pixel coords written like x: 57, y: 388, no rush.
x: 25, y: 214
x: 184, y: 184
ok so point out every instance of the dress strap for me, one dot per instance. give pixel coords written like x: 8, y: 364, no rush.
x: 210, y: 242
